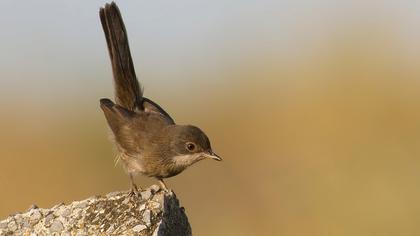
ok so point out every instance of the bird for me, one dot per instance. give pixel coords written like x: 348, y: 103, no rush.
x: 148, y: 140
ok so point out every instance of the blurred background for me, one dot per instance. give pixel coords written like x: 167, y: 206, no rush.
x: 314, y: 106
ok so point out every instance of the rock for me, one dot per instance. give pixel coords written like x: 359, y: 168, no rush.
x: 81, y: 233
x: 56, y: 226
x: 64, y: 212
x: 57, y: 206
x: 146, y: 217
x: 146, y: 194
x: 113, y: 194
x: 33, y: 206
x: 110, y: 229
x: 158, y: 198
x: 26, y: 223
x: 139, y: 228
x: 82, y: 204
x: 35, y: 215
x: 12, y: 225
x: 118, y: 213
x: 3, y: 224
x: 49, y: 218
x: 155, y: 188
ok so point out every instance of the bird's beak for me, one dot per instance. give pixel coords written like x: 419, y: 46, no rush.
x: 212, y: 155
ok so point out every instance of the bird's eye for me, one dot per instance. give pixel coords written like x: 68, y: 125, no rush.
x: 190, y: 147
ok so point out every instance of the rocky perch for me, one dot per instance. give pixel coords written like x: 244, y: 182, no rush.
x: 152, y: 212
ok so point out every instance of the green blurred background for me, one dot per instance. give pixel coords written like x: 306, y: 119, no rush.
x: 314, y: 106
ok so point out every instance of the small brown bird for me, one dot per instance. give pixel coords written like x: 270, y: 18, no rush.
x: 148, y: 140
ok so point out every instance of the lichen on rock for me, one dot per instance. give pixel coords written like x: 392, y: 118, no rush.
x: 151, y: 212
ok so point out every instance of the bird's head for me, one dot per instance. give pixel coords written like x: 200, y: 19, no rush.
x: 190, y: 144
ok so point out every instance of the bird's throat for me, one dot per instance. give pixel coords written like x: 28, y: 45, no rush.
x: 186, y: 160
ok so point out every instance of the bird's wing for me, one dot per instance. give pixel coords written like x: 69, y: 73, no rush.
x: 150, y: 106
x: 132, y: 129
x: 115, y: 115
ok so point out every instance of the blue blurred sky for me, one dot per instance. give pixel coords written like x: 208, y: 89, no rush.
x: 52, y: 44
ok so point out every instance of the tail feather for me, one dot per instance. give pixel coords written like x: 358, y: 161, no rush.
x: 128, y: 93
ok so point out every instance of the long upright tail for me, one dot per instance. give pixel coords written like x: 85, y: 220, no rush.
x: 128, y: 93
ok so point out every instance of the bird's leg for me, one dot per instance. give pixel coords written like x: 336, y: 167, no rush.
x: 163, y: 185
x: 134, y: 190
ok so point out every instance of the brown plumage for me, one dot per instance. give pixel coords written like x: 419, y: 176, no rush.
x: 146, y: 136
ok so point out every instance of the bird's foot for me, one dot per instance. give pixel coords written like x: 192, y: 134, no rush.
x: 133, y: 194
x: 135, y: 191
x: 163, y: 186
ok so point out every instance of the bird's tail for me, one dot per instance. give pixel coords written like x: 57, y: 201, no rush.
x: 128, y: 93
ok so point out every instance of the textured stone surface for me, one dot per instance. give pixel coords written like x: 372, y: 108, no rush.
x: 152, y: 212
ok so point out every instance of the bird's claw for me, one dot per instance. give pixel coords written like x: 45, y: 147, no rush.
x: 134, y: 192
x: 163, y: 186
